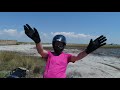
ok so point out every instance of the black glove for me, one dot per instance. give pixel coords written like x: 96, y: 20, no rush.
x: 93, y: 45
x: 32, y: 33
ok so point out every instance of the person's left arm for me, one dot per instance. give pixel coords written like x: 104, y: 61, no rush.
x: 78, y: 57
x: 93, y: 45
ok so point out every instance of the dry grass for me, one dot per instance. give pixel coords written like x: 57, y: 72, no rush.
x: 12, y: 60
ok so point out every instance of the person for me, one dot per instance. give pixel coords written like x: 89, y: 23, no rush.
x: 57, y: 60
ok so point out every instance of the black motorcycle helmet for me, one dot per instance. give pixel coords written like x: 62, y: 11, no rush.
x: 59, y: 38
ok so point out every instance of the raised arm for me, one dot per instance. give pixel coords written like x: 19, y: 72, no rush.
x: 93, y: 45
x: 34, y: 35
x: 41, y: 51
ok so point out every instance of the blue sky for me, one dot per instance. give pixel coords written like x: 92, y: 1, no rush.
x: 78, y: 27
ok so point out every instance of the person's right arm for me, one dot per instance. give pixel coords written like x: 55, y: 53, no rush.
x: 34, y: 35
x: 41, y: 51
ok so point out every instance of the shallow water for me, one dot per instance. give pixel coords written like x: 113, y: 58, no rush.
x: 115, y: 52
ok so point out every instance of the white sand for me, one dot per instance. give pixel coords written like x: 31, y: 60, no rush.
x: 91, y: 66
x: 28, y: 49
x: 95, y: 67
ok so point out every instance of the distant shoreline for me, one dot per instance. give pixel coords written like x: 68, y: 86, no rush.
x: 31, y: 49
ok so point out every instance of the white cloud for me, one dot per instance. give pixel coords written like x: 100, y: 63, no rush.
x: 71, y: 37
x: 11, y: 34
x: 74, y: 35
x: 43, y: 34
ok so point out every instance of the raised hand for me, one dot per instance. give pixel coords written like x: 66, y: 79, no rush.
x: 32, y: 33
x: 93, y: 45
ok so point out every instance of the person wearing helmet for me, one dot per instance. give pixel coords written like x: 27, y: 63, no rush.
x: 57, y: 61
x: 58, y: 43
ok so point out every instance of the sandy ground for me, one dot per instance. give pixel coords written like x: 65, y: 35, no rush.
x: 92, y: 66
x: 27, y: 49
x: 95, y: 67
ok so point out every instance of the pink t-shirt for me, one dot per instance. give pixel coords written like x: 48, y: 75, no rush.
x: 56, y: 65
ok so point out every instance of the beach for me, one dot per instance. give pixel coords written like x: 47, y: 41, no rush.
x: 103, y: 63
